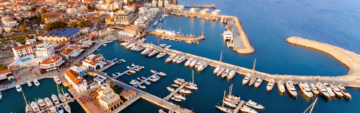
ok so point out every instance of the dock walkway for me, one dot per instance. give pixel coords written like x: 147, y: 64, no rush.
x: 175, y: 91
x: 184, y: 38
x: 239, y: 106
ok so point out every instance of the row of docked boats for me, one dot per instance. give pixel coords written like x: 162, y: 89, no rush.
x: 197, y: 63
x: 132, y: 69
x: 36, y: 82
x: 152, y: 78
x: 52, y: 105
x: 187, y: 90
x: 224, y: 72
x: 325, y: 89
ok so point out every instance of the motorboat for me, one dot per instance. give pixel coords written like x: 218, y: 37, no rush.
x: 162, y: 74
x: 314, y: 89
x: 336, y: 90
x: 29, y: 83
x: 198, y: 64
x: 170, y: 58
x: 343, y: 90
x: 154, y: 78
x: 281, y: 86
x: 220, y: 71
x: 62, y: 98
x: 104, y: 44
x: 162, y: 54
x: 329, y: 90
x: 41, y: 104
x: 145, y: 51
x: 153, y: 53
x: 168, y: 46
x: 153, y: 71
x: 48, y: 102
x: 185, y: 91
x: 230, y: 104
x: 270, y: 85
x: 225, y: 73
x: 162, y: 45
x: 176, y: 58
x: 57, y: 80
x: 188, y: 41
x: 193, y: 62
x: 252, y: 81
x: 258, y: 82
x: 232, y: 97
x: 181, y: 59
x: 170, y: 89
x: 134, y: 82
x: 28, y: 109
x: 179, y: 81
x: 124, y: 43
x: 306, y: 89
x: 231, y: 74
x: 132, y: 71
x: 147, y: 82
x: 246, y: 79
x: 187, y: 63
x: 36, y: 82
x: 18, y: 88
x: 67, y: 108
x: 254, y: 105
x: 224, y: 109
x: 175, y: 85
x: 60, y: 109
x: 55, y: 99
x: 179, y: 96
x: 0, y: 95
x: 323, y: 90
x: 130, y: 46
x: 230, y: 44
x: 176, y: 99
x: 247, y: 109
x: 114, y: 75
x: 291, y: 89
x: 142, y: 86
x: 67, y: 96
x: 216, y: 69
x: 202, y: 66
x: 35, y: 107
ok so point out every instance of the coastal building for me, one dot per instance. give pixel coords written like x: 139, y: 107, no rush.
x: 8, y: 23
x: 23, y: 52
x: 90, y: 106
x: 130, y: 31
x: 6, y: 76
x: 94, y: 62
x: 76, y: 81
x: 215, y: 12
x: 123, y: 17
x: 53, y: 16
x: 81, y: 70
x: 60, y: 48
x: 51, y: 63
x: 166, y: 3
x: 59, y: 35
x: 108, y: 100
x: 160, y: 3
x: 128, y: 94
x: 204, y: 11
x: 30, y: 41
x: 105, y: 32
x: 100, y: 79
x: 193, y: 10
x: 44, y: 50
x: 67, y: 52
x: 228, y: 35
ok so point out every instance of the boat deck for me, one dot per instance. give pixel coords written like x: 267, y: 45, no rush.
x: 242, y: 102
x: 175, y: 91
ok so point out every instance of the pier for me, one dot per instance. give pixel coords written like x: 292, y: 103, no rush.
x: 131, y: 68
x: 184, y: 38
x: 175, y: 91
x: 239, y: 106
x: 108, y: 66
x: 200, y: 6
x: 147, y: 79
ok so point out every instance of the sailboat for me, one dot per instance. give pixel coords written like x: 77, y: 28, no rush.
x: 61, y: 96
x: 28, y: 107
x: 218, y: 67
x: 231, y: 97
x: 222, y: 108
x: 253, y: 78
x: 192, y: 85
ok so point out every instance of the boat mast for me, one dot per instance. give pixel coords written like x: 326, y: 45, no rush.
x: 221, y: 56
x: 223, y: 99
x: 230, y: 89
x: 253, y: 68
x: 24, y: 97
x: 193, y: 76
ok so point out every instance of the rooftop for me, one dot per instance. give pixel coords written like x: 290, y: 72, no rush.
x: 52, y: 59
x: 5, y: 71
x: 109, y: 97
x: 67, y: 51
x: 22, y: 47
x: 67, y: 32
x: 128, y: 93
x: 74, y: 77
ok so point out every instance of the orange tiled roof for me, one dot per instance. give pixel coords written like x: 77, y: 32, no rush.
x: 97, y: 56
x: 64, y: 42
x: 22, y: 47
x: 67, y: 51
x: 51, y: 59
x: 73, y: 76
x: 5, y: 71
x: 90, y: 62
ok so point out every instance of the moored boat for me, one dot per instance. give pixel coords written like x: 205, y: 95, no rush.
x: 220, y: 72
x: 323, y: 90
x: 216, y: 69
x: 225, y: 73
x: 270, y: 85
x: 193, y: 62
x: 291, y: 89
x: 247, y: 109
x: 343, y: 90
x: 230, y: 104
x: 281, y: 86
x: 254, y: 105
x: 314, y: 89
x: 18, y: 88
x: 306, y: 89
x: 179, y: 96
x: 252, y: 80
x: 55, y: 99
x: 170, y: 89
x: 231, y: 74
x: 246, y: 79
x: 258, y: 82
x: 336, y: 90
x: 29, y: 83
x: 329, y: 90
x: 224, y: 109
x: 36, y: 82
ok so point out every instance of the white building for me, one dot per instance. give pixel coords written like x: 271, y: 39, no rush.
x: 81, y: 70
x: 44, y: 50
x: 51, y: 63
x: 94, y: 62
x: 215, y: 13
x: 166, y: 3
x: 76, y: 81
x: 160, y: 3
x: 227, y: 35
x: 23, y: 51
x: 71, y: 11
x: 6, y: 75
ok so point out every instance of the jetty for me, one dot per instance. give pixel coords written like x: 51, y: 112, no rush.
x: 178, y: 37
x: 108, y: 66
x: 131, y: 68
x: 175, y: 91
x: 200, y: 6
x: 236, y: 110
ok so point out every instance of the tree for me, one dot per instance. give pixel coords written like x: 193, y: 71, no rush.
x: 82, y: 23
x: 73, y: 24
x: 117, y: 9
x: 33, y: 9
x: 23, y: 29
x: 4, y: 9
x: 1, y: 36
x: 43, y: 10
x: 136, y: 9
x: 2, y: 67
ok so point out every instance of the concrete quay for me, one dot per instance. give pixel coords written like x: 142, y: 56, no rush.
x: 200, y: 6
x: 184, y: 38
x: 175, y: 91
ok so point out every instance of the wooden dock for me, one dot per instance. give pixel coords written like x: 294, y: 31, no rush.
x: 175, y: 91
x: 239, y: 106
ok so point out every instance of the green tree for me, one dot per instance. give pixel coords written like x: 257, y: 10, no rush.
x: 23, y: 29
x: 20, y: 39
x: 43, y: 10
x: 136, y: 9
x: 117, y: 9
x: 82, y: 23
x: 33, y: 9
x: 4, y: 9
x: 1, y: 36
x: 42, y: 18
x: 73, y: 24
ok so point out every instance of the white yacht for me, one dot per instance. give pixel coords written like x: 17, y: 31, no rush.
x: 224, y: 109
x: 175, y: 85
x: 231, y: 74
x: 202, y: 66
x: 125, y: 43
x: 67, y: 96
x: 226, y: 72
x: 67, y: 108
x: 179, y: 96
x: 306, y: 89
x: 336, y: 90
x: 179, y: 81
x: 35, y: 107
x: 329, y: 90
x: 57, y: 80
x: 187, y: 63
x: 152, y: 71
x: 41, y: 104
x: 132, y: 71
x: 170, y: 58
x: 61, y: 97
x: 220, y: 71
x: 146, y: 50
x: 230, y: 104
x: 28, y: 109
x: 60, y: 109
x: 216, y: 69
x: 176, y: 58
x: 181, y: 59
x: 134, y: 82
x: 323, y: 90
x: 343, y: 90
x: 254, y: 105
x: 36, y: 82
x: 130, y: 46
x: 252, y: 81
x: 281, y: 86
x: 246, y: 79
x: 48, y: 102
x: 176, y: 99
x: 162, y: 54
x: 185, y: 91
x: 314, y: 89
x: 168, y: 46
x: 198, y: 64
x: 162, y: 74
x: 193, y: 62
x: 55, y: 99
x: 153, y: 53
x: 18, y: 88
x: 258, y: 82
x: 29, y: 83
x: 142, y: 86
x: 147, y: 82
x: 247, y: 109
x: 291, y: 89
x: 170, y: 89
x: 270, y: 85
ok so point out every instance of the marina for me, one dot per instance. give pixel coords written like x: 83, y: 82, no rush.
x: 175, y: 91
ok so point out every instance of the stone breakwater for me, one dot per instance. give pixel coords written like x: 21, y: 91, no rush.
x: 350, y: 59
